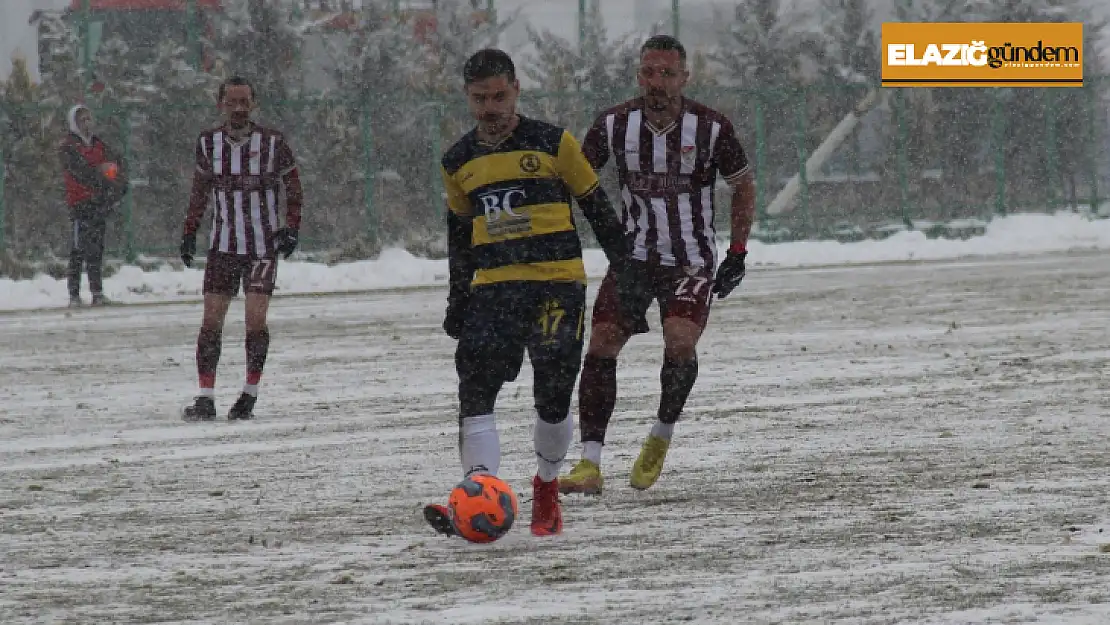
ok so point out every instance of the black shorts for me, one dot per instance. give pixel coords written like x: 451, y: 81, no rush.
x: 224, y: 272
x: 505, y: 320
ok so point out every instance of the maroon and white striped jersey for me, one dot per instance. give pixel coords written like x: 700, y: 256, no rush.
x: 667, y: 176
x: 241, y: 181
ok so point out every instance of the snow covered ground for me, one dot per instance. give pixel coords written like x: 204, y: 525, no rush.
x: 1014, y: 235
x: 905, y: 443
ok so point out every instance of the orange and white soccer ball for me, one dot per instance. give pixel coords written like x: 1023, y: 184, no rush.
x: 482, y: 508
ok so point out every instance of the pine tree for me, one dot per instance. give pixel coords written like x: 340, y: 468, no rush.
x: 576, y: 82
x: 259, y: 40
x: 462, y: 29
x: 762, y: 51
x: 379, y: 72
x: 35, y: 213
x: 1048, y: 138
x: 849, y: 69
x: 153, y: 106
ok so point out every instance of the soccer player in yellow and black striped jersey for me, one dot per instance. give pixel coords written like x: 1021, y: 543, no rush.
x: 517, y: 279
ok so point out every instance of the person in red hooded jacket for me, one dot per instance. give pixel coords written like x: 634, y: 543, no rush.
x: 95, y: 181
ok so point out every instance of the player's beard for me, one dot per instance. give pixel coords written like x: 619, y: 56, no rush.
x: 238, y: 121
x: 658, y: 101
x: 495, y: 125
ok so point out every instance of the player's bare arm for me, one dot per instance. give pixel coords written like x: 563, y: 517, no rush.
x: 743, y: 210
x: 737, y: 172
x: 198, y: 203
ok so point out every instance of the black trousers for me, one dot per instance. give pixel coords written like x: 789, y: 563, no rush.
x: 87, y: 252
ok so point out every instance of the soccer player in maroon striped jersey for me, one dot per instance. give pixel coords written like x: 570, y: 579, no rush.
x: 668, y: 151
x: 241, y: 168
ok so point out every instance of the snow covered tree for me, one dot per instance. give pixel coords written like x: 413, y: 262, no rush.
x: 1048, y: 137
x: 578, y: 81
x: 259, y: 40
x: 462, y: 28
x: 153, y: 105
x: 762, y: 50
x: 379, y: 102
x: 761, y: 46
x: 35, y: 211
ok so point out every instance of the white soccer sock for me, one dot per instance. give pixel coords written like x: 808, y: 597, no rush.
x: 591, y: 450
x: 251, y: 389
x: 207, y: 392
x: 479, y: 445
x: 662, y: 430
x: 552, y: 441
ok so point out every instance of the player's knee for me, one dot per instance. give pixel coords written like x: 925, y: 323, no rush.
x: 553, y: 394
x: 553, y: 412
x: 680, y: 339
x: 681, y: 352
x: 606, y: 340
x: 479, y: 384
x: 211, y: 325
x: 477, y: 396
x: 257, y: 326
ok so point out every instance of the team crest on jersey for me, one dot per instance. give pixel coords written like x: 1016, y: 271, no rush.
x: 529, y: 163
x: 689, y: 155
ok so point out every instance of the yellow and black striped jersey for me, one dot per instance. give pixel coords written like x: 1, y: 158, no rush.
x: 517, y: 194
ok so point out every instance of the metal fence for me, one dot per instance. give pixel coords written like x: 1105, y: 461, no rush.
x: 371, y: 174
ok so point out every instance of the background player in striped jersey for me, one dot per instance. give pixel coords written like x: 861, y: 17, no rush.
x: 241, y: 168
x: 668, y: 151
x: 517, y: 279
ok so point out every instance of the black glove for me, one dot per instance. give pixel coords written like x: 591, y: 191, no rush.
x: 188, y: 248
x: 631, y: 294
x: 457, y: 302
x: 729, y: 274
x: 285, y: 241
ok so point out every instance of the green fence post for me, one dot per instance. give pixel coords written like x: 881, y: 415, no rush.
x: 998, y: 134
x: 800, y: 139
x: 903, y: 157
x: 3, y: 212
x: 192, y: 42
x: 581, y: 25
x: 1091, y: 151
x: 1051, y: 147
x: 760, y: 159
x: 128, y: 213
x: 368, y: 173
x: 437, y: 178
x: 86, y: 35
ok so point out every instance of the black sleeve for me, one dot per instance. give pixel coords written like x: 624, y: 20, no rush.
x: 84, y: 173
x: 608, y: 229
x: 460, y: 253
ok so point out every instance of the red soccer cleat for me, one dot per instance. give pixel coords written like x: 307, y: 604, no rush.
x: 439, y: 517
x: 547, y: 515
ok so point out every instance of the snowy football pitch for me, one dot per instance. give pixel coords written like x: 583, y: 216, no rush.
x: 922, y: 443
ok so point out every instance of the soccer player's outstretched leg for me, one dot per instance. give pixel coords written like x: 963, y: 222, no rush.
x: 669, y: 151
x: 517, y: 278
x: 240, y: 170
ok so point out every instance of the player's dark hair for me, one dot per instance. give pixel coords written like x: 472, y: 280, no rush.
x: 234, y: 81
x: 664, y: 43
x: 488, y: 63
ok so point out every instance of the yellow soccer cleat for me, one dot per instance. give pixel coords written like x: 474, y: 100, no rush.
x: 650, y: 463
x: 584, y: 478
